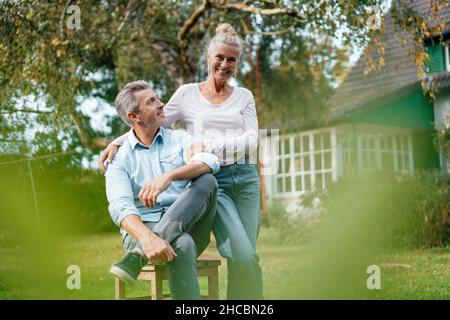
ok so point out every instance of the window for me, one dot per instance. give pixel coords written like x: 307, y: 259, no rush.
x: 376, y: 151
x: 438, y: 58
x: 345, y: 153
x: 385, y: 151
x: 305, y: 162
x: 311, y: 160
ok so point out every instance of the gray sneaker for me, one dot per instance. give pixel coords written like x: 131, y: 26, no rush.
x: 129, y: 267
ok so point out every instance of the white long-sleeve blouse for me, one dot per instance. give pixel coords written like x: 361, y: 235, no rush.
x: 229, y: 129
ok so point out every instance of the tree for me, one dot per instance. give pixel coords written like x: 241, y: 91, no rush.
x: 43, y: 57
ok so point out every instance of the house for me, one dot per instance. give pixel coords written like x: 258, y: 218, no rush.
x: 380, y: 122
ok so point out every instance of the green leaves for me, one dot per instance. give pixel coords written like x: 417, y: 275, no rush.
x: 121, y: 41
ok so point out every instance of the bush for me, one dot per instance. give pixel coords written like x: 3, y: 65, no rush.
x: 289, y: 228
x: 386, y: 211
x: 77, y: 199
x: 400, y: 211
x: 69, y: 200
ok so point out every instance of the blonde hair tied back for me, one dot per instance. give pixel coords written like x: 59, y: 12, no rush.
x: 226, y: 34
x: 225, y: 28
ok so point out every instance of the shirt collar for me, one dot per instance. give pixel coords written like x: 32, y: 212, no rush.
x: 133, y: 140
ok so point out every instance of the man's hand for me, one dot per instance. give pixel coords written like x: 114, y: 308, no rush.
x: 195, y: 148
x: 108, y: 155
x: 150, y: 190
x: 157, y: 250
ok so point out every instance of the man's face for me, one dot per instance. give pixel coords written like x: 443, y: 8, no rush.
x: 150, y: 112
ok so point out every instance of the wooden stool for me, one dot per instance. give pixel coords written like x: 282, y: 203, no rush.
x: 206, y: 267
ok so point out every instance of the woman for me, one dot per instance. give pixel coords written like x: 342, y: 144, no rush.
x: 211, y: 110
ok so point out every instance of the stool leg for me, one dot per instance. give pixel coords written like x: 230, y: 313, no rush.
x: 119, y: 289
x: 213, y: 284
x: 156, y: 286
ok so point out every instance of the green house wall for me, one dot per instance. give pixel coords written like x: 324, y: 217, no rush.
x: 425, y: 154
x: 411, y: 111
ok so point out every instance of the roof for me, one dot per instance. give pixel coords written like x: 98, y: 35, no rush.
x: 399, y: 71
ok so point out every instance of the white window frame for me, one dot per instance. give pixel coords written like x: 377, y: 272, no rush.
x: 447, y: 56
x: 309, y: 151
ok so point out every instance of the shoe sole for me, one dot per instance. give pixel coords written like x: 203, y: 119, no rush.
x: 122, y: 275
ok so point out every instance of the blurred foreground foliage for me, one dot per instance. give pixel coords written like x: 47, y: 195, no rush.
x: 399, y: 211
x: 68, y: 200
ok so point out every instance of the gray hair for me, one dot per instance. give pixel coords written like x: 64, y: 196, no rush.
x: 126, y: 100
x: 226, y: 34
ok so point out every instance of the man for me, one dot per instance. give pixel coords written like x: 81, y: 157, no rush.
x: 164, y: 204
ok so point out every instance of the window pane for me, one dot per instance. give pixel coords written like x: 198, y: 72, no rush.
x: 402, y: 143
x: 345, y: 159
x: 288, y: 184
x: 287, y: 146
x: 363, y: 142
x: 305, y: 140
x: 298, y: 164
x: 327, y: 160
x: 406, y: 161
x: 402, y: 161
x: 387, y: 161
x: 287, y: 165
x: 350, y: 158
x: 371, y: 142
x: 306, y: 162
x: 327, y: 140
x: 345, y: 141
x: 297, y: 144
x: 382, y: 140
x: 307, y: 182
x: 317, y: 142
x: 399, y: 142
x: 280, y: 185
x: 298, y: 183
x: 389, y: 142
x: 317, y: 161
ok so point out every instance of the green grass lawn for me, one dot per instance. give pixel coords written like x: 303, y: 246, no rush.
x: 39, y: 271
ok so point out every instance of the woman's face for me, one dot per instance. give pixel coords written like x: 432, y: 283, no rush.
x: 222, y: 61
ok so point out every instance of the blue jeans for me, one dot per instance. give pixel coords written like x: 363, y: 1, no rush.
x: 186, y: 225
x: 236, y: 229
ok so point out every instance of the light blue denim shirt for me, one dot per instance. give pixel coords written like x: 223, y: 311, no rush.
x: 134, y: 164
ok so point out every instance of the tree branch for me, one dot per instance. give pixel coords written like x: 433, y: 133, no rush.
x: 170, y: 59
x: 26, y: 110
x: 293, y: 12
x: 86, y: 140
x: 186, y: 28
x: 125, y: 19
x: 267, y: 33
x: 11, y: 64
x: 192, y: 20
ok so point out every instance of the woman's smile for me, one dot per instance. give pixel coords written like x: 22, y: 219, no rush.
x: 223, y: 72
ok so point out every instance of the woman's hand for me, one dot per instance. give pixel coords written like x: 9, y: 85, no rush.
x: 195, y: 148
x: 108, y: 155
